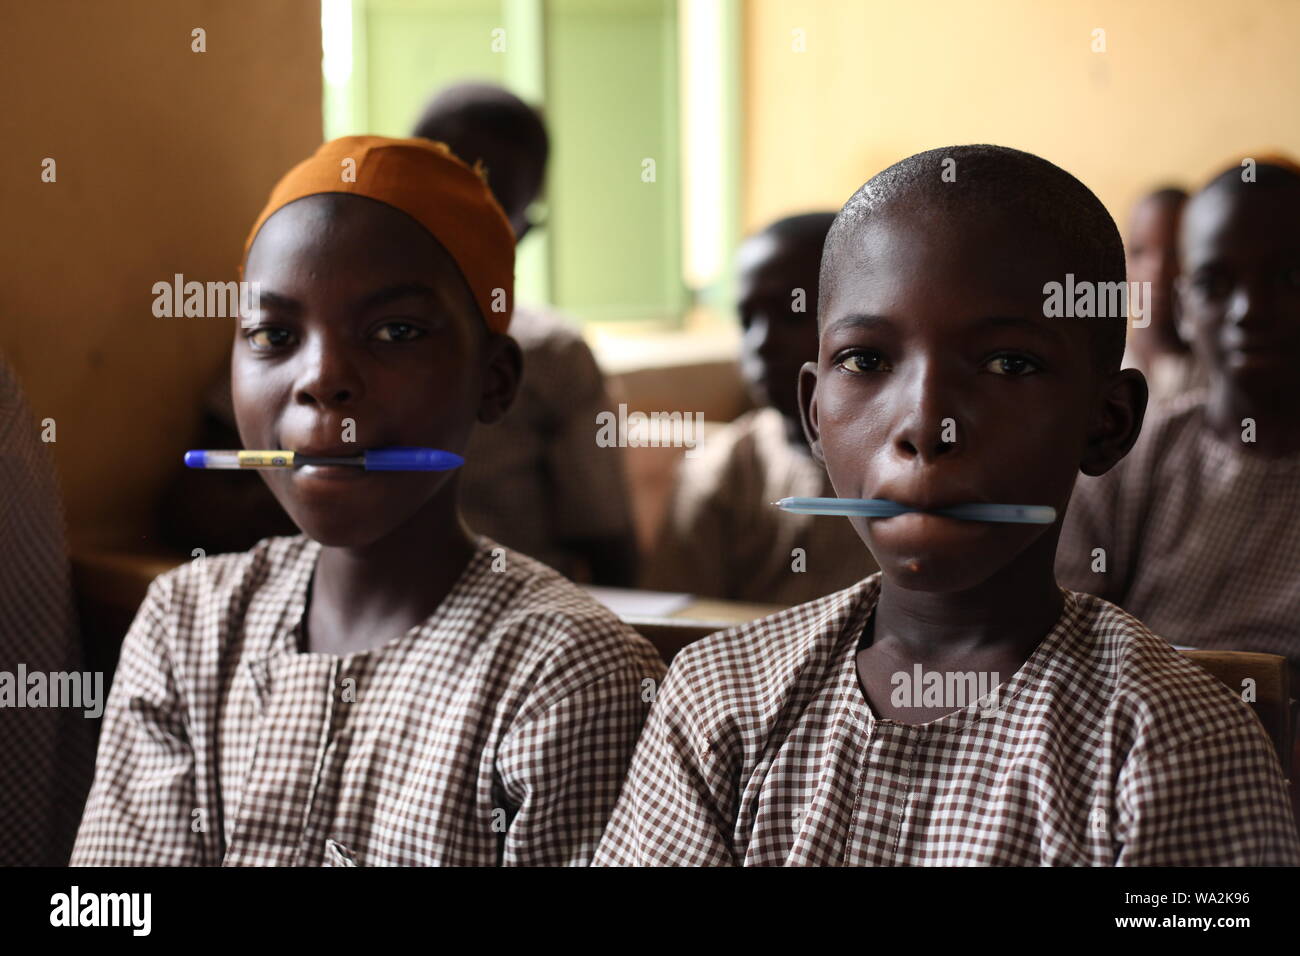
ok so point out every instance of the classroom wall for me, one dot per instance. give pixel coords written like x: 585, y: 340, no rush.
x: 164, y: 156
x: 1184, y: 87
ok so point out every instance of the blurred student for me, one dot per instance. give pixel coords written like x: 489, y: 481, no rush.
x: 388, y: 687
x: 1158, y: 350
x: 537, y: 482
x: 721, y: 536
x: 46, y: 751
x: 959, y: 707
x: 1197, y: 531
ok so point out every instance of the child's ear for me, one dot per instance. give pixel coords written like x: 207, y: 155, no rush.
x: 808, y: 408
x: 1117, y: 421
x: 503, y: 367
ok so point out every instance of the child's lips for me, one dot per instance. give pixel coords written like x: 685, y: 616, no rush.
x: 929, y: 502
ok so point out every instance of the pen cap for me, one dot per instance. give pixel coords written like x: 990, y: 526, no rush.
x: 196, y: 459
x: 412, y: 459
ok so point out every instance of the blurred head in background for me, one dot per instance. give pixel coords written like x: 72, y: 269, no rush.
x: 777, y: 270
x: 1239, y: 297
x: 484, y: 123
x: 1152, y: 254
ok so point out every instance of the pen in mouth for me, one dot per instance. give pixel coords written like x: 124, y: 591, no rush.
x: 884, y: 508
x: 378, y: 459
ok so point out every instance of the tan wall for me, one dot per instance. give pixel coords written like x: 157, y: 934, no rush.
x: 1184, y: 85
x: 164, y: 158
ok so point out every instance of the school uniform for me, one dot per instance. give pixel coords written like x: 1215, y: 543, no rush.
x: 497, y: 731
x: 1106, y: 747
x: 536, y: 480
x: 1197, y: 538
x: 45, y: 752
x: 723, y: 538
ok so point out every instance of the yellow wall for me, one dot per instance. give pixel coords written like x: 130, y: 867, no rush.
x: 164, y: 158
x: 1185, y: 85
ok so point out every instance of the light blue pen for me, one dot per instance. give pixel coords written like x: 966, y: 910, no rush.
x: 884, y: 508
x: 376, y: 459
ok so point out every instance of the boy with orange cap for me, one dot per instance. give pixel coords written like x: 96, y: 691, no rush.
x: 387, y: 688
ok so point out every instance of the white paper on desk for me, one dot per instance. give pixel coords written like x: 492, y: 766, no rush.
x: 628, y: 602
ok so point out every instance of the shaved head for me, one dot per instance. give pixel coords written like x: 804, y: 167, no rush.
x: 1042, y: 201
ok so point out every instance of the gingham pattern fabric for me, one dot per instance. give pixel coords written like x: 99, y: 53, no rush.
x: 722, y: 537
x: 1107, y: 747
x: 536, y: 481
x: 1201, y: 540
x: 496, y: 732
x: 45, y: 752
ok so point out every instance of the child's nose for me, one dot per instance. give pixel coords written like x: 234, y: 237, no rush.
x: 929, y: 428
x: 924, y: 442
x: 328, y: 377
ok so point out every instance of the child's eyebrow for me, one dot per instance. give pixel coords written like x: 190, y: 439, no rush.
x: 1041, y: 329
x: 279, y: 302
x: 392, y: 293
x: 857, y: 321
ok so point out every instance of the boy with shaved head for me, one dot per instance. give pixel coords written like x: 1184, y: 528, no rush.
x: 388, y: 687
x: 721, y: 536
x: 1197, y: 532
x: 942, y: 380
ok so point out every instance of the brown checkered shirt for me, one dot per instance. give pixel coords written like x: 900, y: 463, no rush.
x: 498, y: 731
x: 1106, y: 747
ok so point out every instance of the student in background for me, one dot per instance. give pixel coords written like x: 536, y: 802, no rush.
x: 388, y: 687
x: 804, y: 738
x: 1152, y: 254
x: 721, y: 536
x: 538, y: 482
x: 46, y: 752
x: 1197, y: 532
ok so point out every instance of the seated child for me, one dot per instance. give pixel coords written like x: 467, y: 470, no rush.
x: 721, y: 536
x: 945, y: 378
x: 387, y: 688
x: 1152, y: 253
x: 1198, y: 531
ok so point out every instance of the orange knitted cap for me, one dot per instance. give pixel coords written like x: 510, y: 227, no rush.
x: 427, y: 182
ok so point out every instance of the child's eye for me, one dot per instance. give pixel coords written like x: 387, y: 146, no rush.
x: 266, y: 339
x: 1016, y: 366
x: 398, y: 332
x: 868, y: 361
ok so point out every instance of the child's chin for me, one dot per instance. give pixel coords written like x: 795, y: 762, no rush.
x: 339, y: 533
x: 920, y: 574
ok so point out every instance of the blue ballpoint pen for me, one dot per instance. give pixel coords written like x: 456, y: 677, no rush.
x: 883, y: 508
x: 377, y: 459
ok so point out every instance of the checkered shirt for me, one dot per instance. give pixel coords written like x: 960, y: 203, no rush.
x: 45, y: 752
x: 1106, y: 747
x: 498, y: 731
